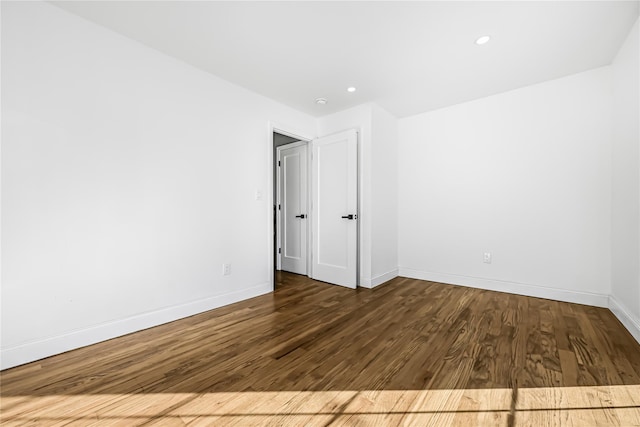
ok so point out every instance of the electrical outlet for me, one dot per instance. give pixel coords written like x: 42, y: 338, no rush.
x: 487, y: 257
x: 226, y: 269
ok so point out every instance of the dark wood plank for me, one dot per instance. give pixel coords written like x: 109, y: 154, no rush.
x: 308, y: 336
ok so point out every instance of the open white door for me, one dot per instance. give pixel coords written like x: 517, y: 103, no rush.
x: 334, y: 192
x: 292, y: 177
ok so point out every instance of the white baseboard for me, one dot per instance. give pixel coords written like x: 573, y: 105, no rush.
x: 625, y: 316
x: 587, y: 298
x: 32, y: 351
x: 35, y: 350
x: 378, y: 280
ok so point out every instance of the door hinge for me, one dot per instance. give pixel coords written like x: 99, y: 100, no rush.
x: 279, y: 250
x: 278, y: 162
x: 279, y: 207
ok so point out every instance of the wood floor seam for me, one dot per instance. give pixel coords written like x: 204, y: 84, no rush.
x: 410, y: 352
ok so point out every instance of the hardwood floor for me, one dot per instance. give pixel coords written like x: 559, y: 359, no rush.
x: 406, y: 353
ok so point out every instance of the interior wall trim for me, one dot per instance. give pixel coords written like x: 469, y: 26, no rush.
x: 39, y: 349
x: 628, y: 320
x: 378, y: 280
x: 588, y: 298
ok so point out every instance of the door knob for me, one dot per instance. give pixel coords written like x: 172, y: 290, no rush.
x: 301, y: 216
x: 350, y: 216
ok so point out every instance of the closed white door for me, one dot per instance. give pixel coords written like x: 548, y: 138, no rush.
x: 293, y: 207
x: 334, y: 209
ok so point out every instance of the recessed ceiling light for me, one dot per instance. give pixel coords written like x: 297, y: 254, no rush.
x: 351, y: 89
x: 321, y: 101
x: 483, y: 39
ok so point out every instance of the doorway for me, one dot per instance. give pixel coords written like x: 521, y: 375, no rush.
x: 315, y: 209
x: 290, y: 209
x: 292, y: 214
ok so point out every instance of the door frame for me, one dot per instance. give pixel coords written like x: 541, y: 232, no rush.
x: 278, y: 201
x: 302, y: 135
x: 292, y: 132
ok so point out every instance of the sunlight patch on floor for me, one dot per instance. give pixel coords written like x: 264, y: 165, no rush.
x: 558, y: 406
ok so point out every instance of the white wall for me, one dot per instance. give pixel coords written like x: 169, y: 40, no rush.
x: 378, y: 186
x: 524, y: 175
x: 625, y: 242
x: 384, y: 196
x: 128, y: 179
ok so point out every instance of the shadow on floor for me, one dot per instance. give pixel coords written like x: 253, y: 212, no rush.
x: 310, y: 336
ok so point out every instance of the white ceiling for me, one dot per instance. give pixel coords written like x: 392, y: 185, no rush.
x: 408, y: 57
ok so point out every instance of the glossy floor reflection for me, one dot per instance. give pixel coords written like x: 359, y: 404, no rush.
x: 406, y: 353
x: 559, y: 406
